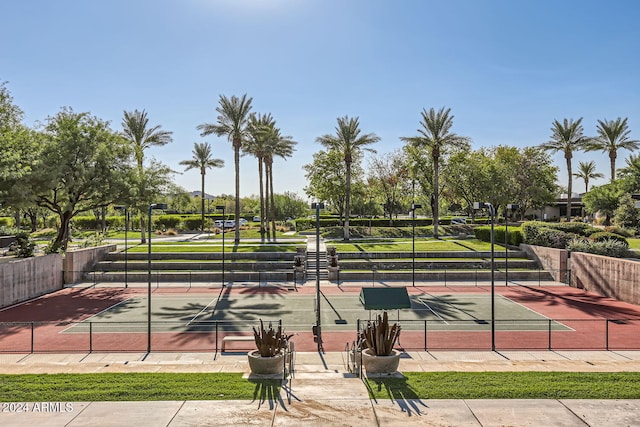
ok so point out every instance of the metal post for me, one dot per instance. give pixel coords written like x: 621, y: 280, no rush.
x: 492, y: 212
x: 90, y: 337
x: 606, y: 336
x: 506, y: 249
x: 149, y: 282
x: 32, y: 338
x: 318, y: 206
x: 224, y: 218
x: 549, y: 335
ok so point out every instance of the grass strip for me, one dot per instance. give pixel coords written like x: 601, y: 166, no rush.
x: 228, y: 386
x: 507, y: 385
x: 134, y: 386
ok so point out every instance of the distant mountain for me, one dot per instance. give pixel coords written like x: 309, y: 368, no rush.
x: 199, y: 194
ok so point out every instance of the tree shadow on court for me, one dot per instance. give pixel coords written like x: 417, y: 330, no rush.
x: 398, y: 390
x: 442, y: 307
x: 574, y: 299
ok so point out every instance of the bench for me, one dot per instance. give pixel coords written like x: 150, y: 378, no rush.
x: 231, y: 338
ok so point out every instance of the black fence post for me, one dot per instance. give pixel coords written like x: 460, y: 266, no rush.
x: 425, y: 334
x: 549, y: 334
x: 606, y: 329
x: 90, y: 337
x: 32, y: 338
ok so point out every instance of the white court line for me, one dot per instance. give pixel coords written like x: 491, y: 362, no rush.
x: 98, y: 314
x: 430, y: 309
x: 201, y: 311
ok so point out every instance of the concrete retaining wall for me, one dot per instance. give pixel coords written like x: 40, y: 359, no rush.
x: 79, y: 260
x: 555, y: 261
x: 23, y: 279
x: 611, y: 277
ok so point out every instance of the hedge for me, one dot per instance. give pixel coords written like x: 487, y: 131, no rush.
x: 483, y: 233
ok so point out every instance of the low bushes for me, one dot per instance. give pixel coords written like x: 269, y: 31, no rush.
x: 484, y: 233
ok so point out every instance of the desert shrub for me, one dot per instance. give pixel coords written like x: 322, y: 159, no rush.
x: 612, y: 248
x: 624, y: 232
x: 578, y: 228
x: 551, y: 238
x: 23, y: 247
x: 604, y: 235
x: 192, y: 223
x: 93, y: 240
x: 8, y: 231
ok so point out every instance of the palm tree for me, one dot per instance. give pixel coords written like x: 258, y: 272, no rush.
x: 436, y: 137
x: 136, y: 129
x: 612, y: 136
x: 280, y: 146
x: 348, y: 142
x: 567, y: 137
x: 202, y: 159
x: 587, y: 171
x: 257, y: 145
x: 232, y: 121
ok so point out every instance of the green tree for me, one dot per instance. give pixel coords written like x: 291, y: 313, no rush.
x: 627, y: 215
x: 348, y: 142
x: 587, y: 172
x: 326, y: 178
x: 233, y: 122
x: 390, y: 175
x: 289, y: 205
x: 630, y: 174
x: 604, y: 199
x: 613, y: 135
x: 84, y: 166
x: 436, y: 138
x: 141, y: 136
x: 202, y: 159
x: 567, y: 137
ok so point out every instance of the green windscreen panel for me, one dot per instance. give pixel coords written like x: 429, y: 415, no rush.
x: 384, y: 298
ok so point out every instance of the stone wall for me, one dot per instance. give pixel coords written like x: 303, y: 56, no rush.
x: 76, y: 262
x: 555, y: 261
x: 24, y: 279
x: 611, y: 277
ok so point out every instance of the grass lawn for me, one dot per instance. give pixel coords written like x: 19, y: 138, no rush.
x: 508, y: 385
x: 634, y: 243
x: 226, y: 386
x: 185, y: 247
x: 421, y: 245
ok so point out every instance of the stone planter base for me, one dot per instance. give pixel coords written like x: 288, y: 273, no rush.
x: 265, y: 365
x: 380, y: 364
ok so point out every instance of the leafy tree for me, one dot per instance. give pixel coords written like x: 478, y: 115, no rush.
x: 348, y: 142
x: 630, y: 174
x: 233, y: 122
x: 587, y: 172
x: 613, y: 135
x: 141, y: 136
x: 84, y: 166
x: 534, y: 182
x: 202, y: 159
x: 436, y: 137
x: 627, y: 215
x: 289, y: 205
x: 389, y: 173
x: 468, y: 178
x: 326, y: 178
x: 604, y: 199
x: 566, y: 138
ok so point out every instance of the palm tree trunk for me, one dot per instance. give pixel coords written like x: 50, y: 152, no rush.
x: 612, y: 161
x: 569, y: 188
x: 260, y: 178
x: 347, y: 202
x: 236, y: 158
x: 436, y: 196
x: 143, y: 234
x: 273, y: 203
x: 267, y: 202
x: 202, y: 200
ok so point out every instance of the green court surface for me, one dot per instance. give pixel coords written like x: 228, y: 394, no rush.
x: 199, y: 313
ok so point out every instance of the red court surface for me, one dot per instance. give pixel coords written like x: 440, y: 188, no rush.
x: 589, y: 322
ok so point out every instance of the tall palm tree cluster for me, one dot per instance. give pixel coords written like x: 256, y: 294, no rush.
x: 568, y: 137
x: 254, y: 134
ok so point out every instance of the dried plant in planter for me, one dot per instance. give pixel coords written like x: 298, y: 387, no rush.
x: 270, y: 342
x: 379, y: 337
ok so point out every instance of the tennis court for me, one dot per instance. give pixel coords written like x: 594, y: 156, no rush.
x: 235, y: 312
x: 439, y: 317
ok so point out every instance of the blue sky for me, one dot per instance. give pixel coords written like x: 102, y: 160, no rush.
x: 507, y: 69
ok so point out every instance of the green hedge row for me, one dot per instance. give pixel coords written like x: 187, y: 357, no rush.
x: 484, y: 233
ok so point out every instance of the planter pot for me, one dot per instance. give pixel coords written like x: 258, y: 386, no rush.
x: 380, y: 364
x: 265, y: 365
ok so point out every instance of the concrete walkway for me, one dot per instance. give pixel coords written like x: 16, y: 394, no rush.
x: 323, y: 393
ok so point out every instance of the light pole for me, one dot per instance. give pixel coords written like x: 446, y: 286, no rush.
x: 492, y: 214
x: 151, y: 208
x: 224, y: 218
x: 317, y: 206
x: 413, y: 242
x: 510, y: 207
x: 126, y: 243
